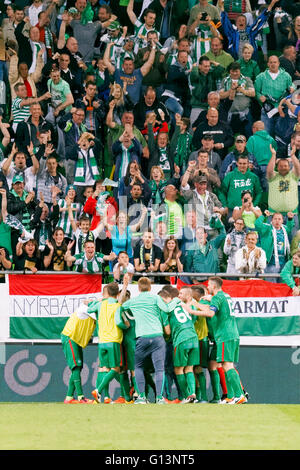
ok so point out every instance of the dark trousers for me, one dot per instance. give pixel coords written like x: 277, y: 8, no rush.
x: 154, y: 348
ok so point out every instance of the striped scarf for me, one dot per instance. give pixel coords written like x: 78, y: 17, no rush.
x: 201, y: 42
x: 101, y: 206
x: 286, y: 244
x: 157, y: 191
x: 25, y: 214
x: 83, y: 237
x: 81, y: 166
x: 183, y: 148
x: 143, y: 259
x: 228, y: 82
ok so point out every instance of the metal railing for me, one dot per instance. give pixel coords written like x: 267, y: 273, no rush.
x: 162, y: 274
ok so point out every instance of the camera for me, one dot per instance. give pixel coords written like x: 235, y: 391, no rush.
x: 204, y: 16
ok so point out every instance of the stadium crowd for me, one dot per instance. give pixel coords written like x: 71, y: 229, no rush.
x: 151, y: 137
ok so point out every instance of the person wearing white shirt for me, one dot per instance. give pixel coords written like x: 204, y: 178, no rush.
x: 250, y: 259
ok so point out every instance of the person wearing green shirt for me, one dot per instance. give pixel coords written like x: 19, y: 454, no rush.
x: 226, y: 336
x: 238, y: 180
x: 291, y: 268
x: 61, y: 95
x: 283, y: 184
x: 270, y: 87
x: 249, y: 67
x: 274, y: 240
x: 202, y: 257
x: 217, y: 54
x: 126, y: 322
x: 203, y: 6
x: 184, y: 339
x: 88, y: 261
x: 110, y: 339
x: 204, y: 78
x: 199, y: 293
x: 151, y: 322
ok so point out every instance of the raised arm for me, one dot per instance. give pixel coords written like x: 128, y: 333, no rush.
x: 8, y: 161
x: 106, y: 59
x: 295, y: 162
x: 148, y: 64
x: 110, y: 115
x: 3, y: 204
x: 61, y: 42
x: 271, y: 165
x: 35, y: 162
x: 130, y: 12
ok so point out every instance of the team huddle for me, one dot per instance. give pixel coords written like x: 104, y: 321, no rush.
x: 153, y: 341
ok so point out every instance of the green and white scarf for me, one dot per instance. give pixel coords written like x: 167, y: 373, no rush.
x: 142, y: 256
x: 183, y: 149
x: 228, y: 82
x: 201, y: 42
x: 81, y: 166
x: 286, y: 244
x: 25, y: 215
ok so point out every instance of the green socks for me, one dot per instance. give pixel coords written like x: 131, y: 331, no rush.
x: 181, y: 379
x: 215, y: 384
x: 77, y: 381
x: 124, y: 383
x: 112, y: 374
x: 100, y: 377
x: 201, y: 390
x: 191, y: 383
x: 71, y: 386
x: 234, y: 388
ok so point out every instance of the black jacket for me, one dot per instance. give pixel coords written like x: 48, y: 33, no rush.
x: 141, y: 109
x: 16, y: 207
x: 221, y: 133
x: 50, y: 222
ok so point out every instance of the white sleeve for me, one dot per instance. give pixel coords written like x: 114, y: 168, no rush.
x: 82, y: 312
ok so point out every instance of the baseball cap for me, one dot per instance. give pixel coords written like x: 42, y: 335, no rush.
x: 200, y: 179
x: 114, y: 25
x: 70, y: 186
x: 240, y: 138
x: 208, y: 137
x: 73, y: 11
x: 18, y: 179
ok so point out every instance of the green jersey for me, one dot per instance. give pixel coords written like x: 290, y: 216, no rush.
x: 181, y: 323
x: 83, y: 265
x: 129, y: 333
x: 223, y: 324
x: 149, y: 312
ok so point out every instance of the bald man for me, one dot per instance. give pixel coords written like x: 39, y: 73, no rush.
x: 221, y: 132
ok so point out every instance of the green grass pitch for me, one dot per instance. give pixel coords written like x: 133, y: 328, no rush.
x: 55, y: 426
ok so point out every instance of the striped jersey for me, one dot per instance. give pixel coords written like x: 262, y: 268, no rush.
x: 19, y: 113
x: 84, y: 265
x: 64, y: 221
x: 201, y: 43
x: 140, y: 31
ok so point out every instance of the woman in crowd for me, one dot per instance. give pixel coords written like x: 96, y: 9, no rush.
x: 55, y: 251
x: 28, y: 257
x: 171, y: 258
